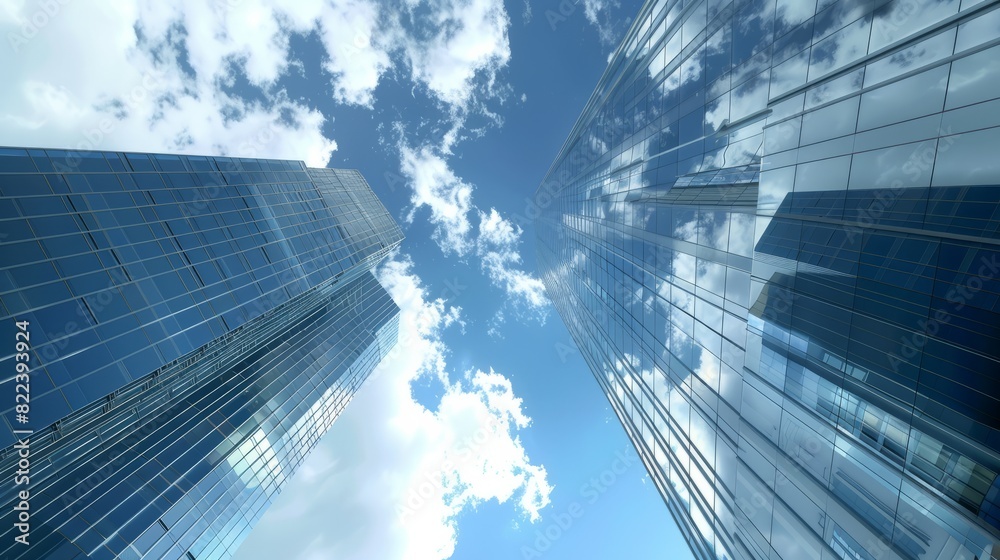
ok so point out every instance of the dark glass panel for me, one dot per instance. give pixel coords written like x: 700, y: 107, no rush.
x: 16, y: 185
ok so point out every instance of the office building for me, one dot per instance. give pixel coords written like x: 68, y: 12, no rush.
x: 194, y: 326
x: 773, y: 234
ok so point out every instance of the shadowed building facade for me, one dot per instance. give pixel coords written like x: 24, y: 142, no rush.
x: 196, y: 325
x: 774, y: 234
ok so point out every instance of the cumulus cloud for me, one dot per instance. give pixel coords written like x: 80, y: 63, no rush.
x: 202, y: 78
x: 160, y: 76
x: 413, y: 469
x: 458, y: 63
x: 359, y: 46
x: 496, y: 241
x: 448, y: 197
x: 469, y: 39
x: 497, y: 246
x: 154, y: 78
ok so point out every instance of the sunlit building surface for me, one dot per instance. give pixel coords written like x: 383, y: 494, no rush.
x: 196, y: 324
x: 774, y: 234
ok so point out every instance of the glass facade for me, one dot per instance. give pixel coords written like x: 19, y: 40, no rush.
x: 774, y: 234
x: 196, y: 324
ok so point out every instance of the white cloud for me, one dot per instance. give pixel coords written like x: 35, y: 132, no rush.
x: 794, y: 12
x: 497, y: 240
x: 158, y: 76
x: 448, y: 197
x: 497, y: 246
x: 598, y: 13
x: 496, y: 243
x: 358, y: 48
x: 458, y: 63
x: 412, y: 470
x: 494, y: 230
x: 495, y: 323
x: 469, y: 39
x: 153, y: 79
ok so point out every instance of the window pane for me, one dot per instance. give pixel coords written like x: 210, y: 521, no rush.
x: 974, y: 79
x: 23, y: 185
x: 915, y: 96
x: 15, y: 161
x: 824, y: 175
x: 970, y: 159
x: 908, y: 165
x: 830, y: 122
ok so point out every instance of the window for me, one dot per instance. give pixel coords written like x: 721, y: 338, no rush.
x: 912, y: 97
x: 104, y: 183
x: 164, y: 162
x: 15, y: 161
x: 23, y: 185
x: 27, y: 251
x: 34, y: 274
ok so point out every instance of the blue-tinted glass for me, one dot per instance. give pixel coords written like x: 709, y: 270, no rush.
x: 90, y: 162
x: 41, y: 161
x: 164, y: 162
x: 16, y: 185
x: 115, y: 163
x: 146, y: 308
x: 33, y: 274
x: 15, y: 161
x: 862, y: 213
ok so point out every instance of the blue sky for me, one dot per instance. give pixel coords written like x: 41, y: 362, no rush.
x: 484, y: 430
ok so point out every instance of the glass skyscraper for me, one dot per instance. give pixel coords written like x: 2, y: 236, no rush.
x: 774, y: 234
x: 189, y: 328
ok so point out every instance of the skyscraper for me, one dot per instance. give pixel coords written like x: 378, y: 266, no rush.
x: 773, y: 234
x: 183, y: 329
